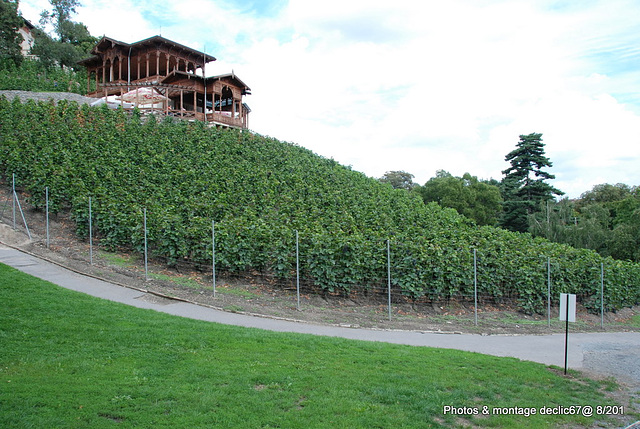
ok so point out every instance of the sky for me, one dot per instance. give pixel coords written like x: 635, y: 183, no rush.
x: 419, y: 86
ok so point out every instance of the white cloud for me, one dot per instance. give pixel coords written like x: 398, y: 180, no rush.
x: 422, y: 86
x: 116, y: 19
x: 30, y: 10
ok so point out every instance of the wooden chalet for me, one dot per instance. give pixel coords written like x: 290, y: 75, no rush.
x: 159, y: 75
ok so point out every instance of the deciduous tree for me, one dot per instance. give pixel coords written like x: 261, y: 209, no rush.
x: 470, y: 197
x: 59, y: 16
x: 398, y: 179
x: 605, y: 219
x: 73, y: 38
x: 10, y: 39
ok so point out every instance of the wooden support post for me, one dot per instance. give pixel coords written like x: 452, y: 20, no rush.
x: 166, y: 101
x: 233, y: 109
x: 195, y: 104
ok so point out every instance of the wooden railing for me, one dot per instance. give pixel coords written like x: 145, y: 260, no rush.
x: 222, y: 119
x: 215, y: 117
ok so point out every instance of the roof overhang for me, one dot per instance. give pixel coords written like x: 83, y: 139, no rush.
x: 105, y: 43
x: 231, y: 77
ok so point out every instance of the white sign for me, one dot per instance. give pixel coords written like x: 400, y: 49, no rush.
x: 564, y: 297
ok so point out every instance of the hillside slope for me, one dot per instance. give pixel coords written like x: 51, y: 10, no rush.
x: 259, y: 191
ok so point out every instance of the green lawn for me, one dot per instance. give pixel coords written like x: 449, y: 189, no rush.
x: 68, y: 360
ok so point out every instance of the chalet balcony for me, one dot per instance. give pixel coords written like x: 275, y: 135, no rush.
x: 215, y: 118
x: 151, y: 97
x: 224, y: 119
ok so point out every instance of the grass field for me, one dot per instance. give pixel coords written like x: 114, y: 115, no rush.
x: 68, y: 360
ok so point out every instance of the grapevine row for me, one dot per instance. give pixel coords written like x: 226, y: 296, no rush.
x: 259, y: 191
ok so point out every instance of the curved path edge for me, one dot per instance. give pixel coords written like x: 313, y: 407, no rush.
x: 586, y: 350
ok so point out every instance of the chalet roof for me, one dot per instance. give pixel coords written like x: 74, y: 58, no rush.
x: 107, y: 42
x: 234, y: 79
x: 230, y: 77
x: 28, y: 24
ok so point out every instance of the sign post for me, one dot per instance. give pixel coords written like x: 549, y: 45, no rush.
x: 568, y: 314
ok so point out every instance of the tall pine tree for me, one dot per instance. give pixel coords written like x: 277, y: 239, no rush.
x: 523, y: 185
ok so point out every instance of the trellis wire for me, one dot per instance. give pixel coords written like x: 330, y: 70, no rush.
x: 90, y: 236
x: 13, y: 196
x: 22, y: 214
x: 46, y: 193
x: 379, y: 290
x: 17, y: 201
x: 549, y: 291
x: 297, y: 272
x: 213, y: 251
x: 389, y: 277
x: 146, y: 267
x: 475, y: 284
x: 602, y: 294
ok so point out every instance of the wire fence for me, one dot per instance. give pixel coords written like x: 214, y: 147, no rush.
x: 476, y: 293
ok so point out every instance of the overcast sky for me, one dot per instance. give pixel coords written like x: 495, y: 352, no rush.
x: 419, y: 86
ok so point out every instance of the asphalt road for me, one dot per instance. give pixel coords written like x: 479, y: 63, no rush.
x: 609, y: 354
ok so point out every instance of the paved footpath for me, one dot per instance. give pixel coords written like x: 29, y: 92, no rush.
x: 613, y: 354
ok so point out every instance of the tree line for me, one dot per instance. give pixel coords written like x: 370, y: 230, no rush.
x: 56, y: 54
x: 605, y: 218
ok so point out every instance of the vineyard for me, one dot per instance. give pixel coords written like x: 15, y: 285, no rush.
x: 33, y: 76
x: 260, y: 191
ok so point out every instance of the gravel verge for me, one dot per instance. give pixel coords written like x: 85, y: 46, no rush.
x: 46, y: 96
